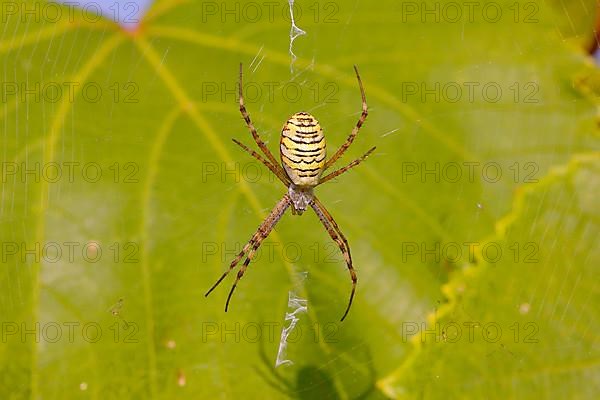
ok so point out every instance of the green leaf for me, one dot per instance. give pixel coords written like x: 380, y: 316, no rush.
x: 103, y: 277
x: 522, y: 326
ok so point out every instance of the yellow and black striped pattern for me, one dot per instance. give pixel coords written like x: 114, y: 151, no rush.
x: 303, y: 149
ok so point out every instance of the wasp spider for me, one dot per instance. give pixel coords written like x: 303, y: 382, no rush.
x: 303, y: 152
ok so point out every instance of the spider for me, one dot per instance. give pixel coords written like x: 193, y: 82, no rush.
x: 303, y: 153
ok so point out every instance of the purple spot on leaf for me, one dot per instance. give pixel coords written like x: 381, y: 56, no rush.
x: 128, y: 13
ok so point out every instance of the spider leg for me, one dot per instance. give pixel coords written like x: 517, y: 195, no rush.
x: 337, y: 235
x: 263, y: 147
x: 263, y: 231
x: 277, y: 172
x: 235, y: 261
x: 346, y: 168
x: 352, y: 135
x: 243, y: 270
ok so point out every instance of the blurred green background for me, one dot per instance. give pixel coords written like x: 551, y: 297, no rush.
x: 123, y: 199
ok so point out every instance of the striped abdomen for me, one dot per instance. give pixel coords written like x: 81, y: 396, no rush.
x: 302, y: 149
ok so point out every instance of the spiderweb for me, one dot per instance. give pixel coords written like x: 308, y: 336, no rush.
x: 176, y: 201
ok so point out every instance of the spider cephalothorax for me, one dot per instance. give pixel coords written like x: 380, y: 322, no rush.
x: 301, y: 198
x: 303, y: 153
